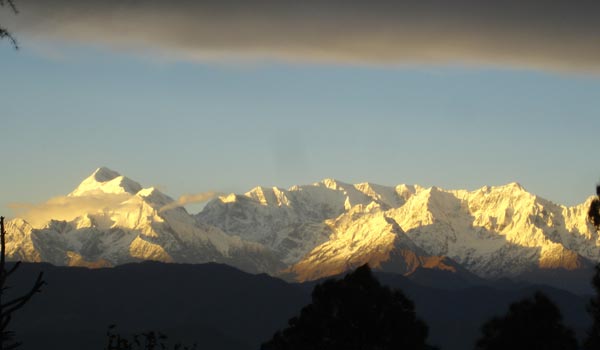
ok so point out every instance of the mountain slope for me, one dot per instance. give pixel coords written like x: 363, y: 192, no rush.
x: 363, y: 235
x: 497, y: 231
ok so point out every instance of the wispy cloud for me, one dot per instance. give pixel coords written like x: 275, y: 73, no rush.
x: 68, y: 208
x: 557, y: 35
x: 190, y: 199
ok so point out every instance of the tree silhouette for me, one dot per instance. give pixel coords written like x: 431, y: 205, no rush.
x: 592, y: 342
x: 594, y: 211
x: 4, y: 33
x: 532, y: 324
x: 354, y: 313
x: 8, y: 308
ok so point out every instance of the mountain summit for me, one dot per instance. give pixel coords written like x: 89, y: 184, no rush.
x: 104, y: 180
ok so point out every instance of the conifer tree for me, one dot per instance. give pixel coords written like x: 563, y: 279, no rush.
x: 530, y: 324
x: 592, y: 341
x: 594, y: 210
x: 354, y: 313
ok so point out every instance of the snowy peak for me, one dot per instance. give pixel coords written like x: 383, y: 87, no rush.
x: 514, y: 187
x: 104, y: 174
x: 154, y: 197
x: 331, y: 184
x: 334, y: 195
x: 110, y: 219
x: 269, y: 196
x: 512, y: 190
x: 386, y: 196
x: 104, y: 180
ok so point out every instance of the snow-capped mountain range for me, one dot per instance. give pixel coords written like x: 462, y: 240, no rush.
x: 313, y: 231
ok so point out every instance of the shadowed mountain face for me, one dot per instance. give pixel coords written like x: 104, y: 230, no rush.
x: 313, y: 231
x: 225, y: 309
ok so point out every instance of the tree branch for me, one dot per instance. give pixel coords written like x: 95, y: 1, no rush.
x: 5, y: 321
x: 18, y: 303
x: 10, y: 3
x: 6, y: 309
x: 4, y: 33
x: 13, y: 269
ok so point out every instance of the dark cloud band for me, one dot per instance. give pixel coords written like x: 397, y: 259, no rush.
x: 557, y: 34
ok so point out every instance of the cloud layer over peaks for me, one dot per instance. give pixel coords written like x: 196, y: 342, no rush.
x: 190, y: 199
x: 556, y: 35
x: 68, y: 208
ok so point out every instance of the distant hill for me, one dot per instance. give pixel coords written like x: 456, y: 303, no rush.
x: 224, y: 308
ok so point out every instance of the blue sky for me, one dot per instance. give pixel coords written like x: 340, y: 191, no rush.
x: 189, y: 126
